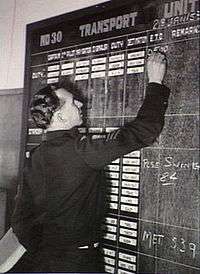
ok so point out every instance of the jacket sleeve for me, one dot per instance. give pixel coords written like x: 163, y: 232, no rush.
x: 139, y: 133
x: 23, y: 217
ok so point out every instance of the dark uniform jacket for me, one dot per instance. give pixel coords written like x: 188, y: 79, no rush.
x: 62, y: 197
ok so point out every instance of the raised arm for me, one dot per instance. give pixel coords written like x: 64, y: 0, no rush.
x: 140, y: 132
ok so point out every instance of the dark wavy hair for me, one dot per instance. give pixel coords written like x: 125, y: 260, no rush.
x: 43, y: 105
x: 45, y: 102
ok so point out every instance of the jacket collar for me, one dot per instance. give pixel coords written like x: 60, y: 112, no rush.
x: 71, y: 133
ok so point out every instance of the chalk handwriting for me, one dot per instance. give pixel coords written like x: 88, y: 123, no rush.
x: 174, y: 21
x: 178, y: 244
x: 166, y: 176
x: 161, y: 48
x: 152, y: 238
x: 171, y: 168
x: 182, y: 246
x: 178, y: 12
x: 170, y: 162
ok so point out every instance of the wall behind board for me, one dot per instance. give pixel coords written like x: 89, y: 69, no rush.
x: 14, y: 15
x: 10, y: 128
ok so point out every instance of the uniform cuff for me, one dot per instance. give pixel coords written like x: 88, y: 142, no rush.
x: 158, y: 90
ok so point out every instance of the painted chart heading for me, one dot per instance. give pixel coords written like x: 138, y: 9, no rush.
x: 107, y: 25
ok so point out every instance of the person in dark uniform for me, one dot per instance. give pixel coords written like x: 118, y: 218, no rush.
x: 60, y: 205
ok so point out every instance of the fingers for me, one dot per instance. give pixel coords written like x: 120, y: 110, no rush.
x: 157, y: 57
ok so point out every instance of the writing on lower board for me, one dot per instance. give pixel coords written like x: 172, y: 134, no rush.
x: 152, y: 238
x: 170, y: 162
x: 172, y: 168
x: 178, y: 244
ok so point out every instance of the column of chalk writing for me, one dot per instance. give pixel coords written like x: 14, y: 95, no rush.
x: 96, y: 95
x: 136, y: 44
x: 98, y: 85
x: 134, y: 80
x: 81, y: 78
x: 115, y: 88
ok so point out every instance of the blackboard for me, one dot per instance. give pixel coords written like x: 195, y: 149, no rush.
x: 152, y: 224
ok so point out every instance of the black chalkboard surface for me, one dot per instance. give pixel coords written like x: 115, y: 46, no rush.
x: 152, y: 224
